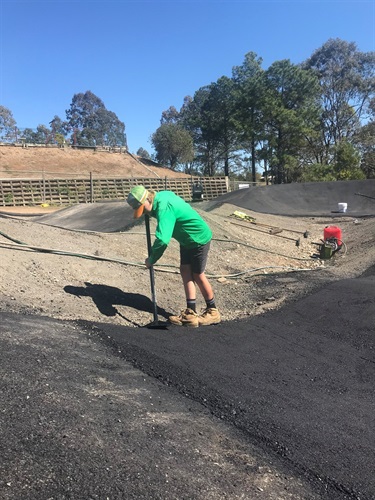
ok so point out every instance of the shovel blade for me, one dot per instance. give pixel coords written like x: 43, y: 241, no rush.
x: 158, y: 325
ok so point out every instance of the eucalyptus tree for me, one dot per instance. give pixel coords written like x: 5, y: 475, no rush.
x: 40, y: 135
x: 291, y: 111
x: 249, y: 95
x: 92, y: 123
x: 347, y: 85
x: 173, y: 145
x: 110, y: 130
x: 8, y: 129
x: 171, y: 115
x: 143, y: 153
x: 58, y: 126
x: 59, y: 130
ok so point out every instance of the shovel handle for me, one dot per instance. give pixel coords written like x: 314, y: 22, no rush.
x: 152, y: 274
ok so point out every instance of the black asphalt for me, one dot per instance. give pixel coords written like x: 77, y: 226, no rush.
x: 106, y: 217
x: 299, y: 382
x: 311, y: 199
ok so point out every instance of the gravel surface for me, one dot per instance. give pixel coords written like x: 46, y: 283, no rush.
x: 101, y: 276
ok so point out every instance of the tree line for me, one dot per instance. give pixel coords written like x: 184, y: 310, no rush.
x: 296, y: 122
x: 88, y: 123
x: 292, y: 122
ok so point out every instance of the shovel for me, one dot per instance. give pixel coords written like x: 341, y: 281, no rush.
x: 155, y: 324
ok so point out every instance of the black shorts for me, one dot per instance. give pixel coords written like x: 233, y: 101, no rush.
x: 196, y: 257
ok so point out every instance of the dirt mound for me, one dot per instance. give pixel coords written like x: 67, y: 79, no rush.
x: 33, y: 162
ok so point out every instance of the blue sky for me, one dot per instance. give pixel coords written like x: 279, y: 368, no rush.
x: 141, y: 57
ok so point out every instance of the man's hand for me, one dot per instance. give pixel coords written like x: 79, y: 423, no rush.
x: 147, y: 263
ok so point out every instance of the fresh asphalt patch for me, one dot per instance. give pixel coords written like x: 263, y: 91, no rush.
x: 299, y: 381
x: 78, y: 422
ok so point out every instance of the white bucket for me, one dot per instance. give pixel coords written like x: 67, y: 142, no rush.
x: 343, y: 207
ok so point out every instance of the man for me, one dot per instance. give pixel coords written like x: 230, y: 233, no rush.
x: 177, y: 219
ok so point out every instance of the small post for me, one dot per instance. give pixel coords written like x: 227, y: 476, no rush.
x: 44, y: 187
x: 91, y: 189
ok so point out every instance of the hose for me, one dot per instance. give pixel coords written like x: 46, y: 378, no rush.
x: 24, y: 246
x: 19, y: 245
x: 153, y: 234
x: 261, y: 249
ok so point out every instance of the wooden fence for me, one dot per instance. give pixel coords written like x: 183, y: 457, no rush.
x: 31, y: 192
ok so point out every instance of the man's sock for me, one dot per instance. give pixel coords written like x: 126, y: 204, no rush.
x: 211, y: 303
x: 192, y: 304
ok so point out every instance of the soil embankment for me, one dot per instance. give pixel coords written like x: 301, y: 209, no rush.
x: 33, y: 162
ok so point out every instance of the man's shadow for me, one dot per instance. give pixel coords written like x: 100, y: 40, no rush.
x: 105, y: 297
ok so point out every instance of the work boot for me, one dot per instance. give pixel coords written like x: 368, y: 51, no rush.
x: 188, y: 317
x: 210, y: 316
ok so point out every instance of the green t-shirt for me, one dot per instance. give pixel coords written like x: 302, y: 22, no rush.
x: 176, y: 219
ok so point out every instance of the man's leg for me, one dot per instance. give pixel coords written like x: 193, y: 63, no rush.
x: 188, y: 281
x: 188, y: 317
x: 210, y: 315
x: 198, y: 265
x: 204, y: 286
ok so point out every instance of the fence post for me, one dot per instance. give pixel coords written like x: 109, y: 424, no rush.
x: 91, y: 188
x: 44, y: 187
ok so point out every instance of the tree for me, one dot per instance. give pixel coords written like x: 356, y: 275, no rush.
x: 143, y: 153
x: 92, y: 123
x: 347, y: 84
x: 110, y: 130
x: 171, y: 115
x: 291, y: 110
x: 198, y: 119
x: 59, y: 127
x: 208, y: 116
x: 317, y: 172
x: 364, y: 140
x: 8, y: 127
x: 347, y: 162
x: 41, y: 135
x: 221, y: 105
x: 173, y: 145
x: 249, y: 95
